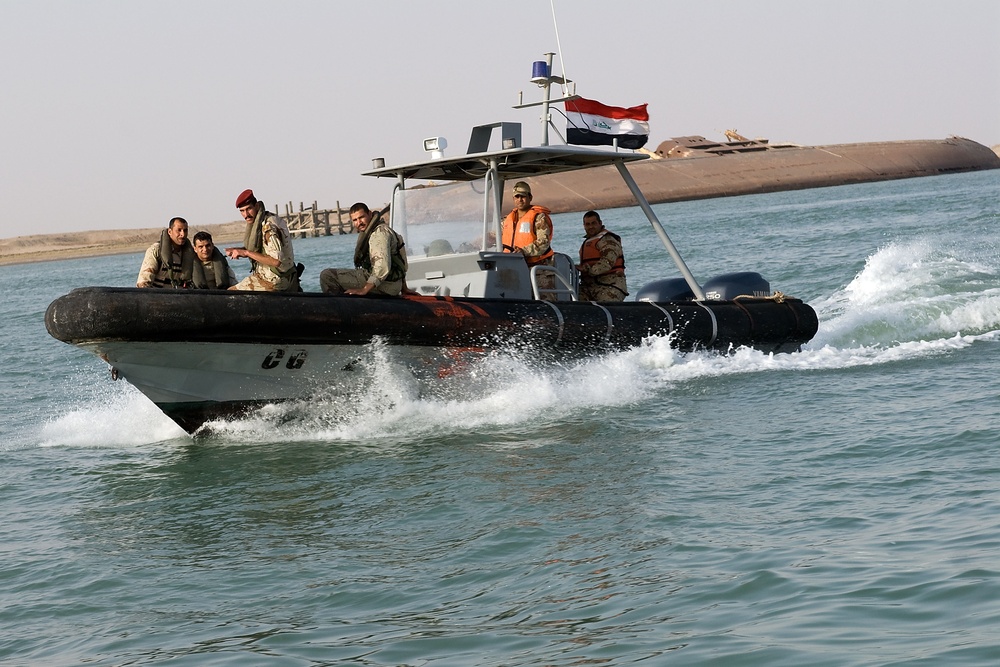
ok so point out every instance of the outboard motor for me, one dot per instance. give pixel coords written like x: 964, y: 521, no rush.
x: 728, y: 286
x: 668, y: 289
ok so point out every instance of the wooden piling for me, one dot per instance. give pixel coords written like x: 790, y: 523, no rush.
x: 314, y: 221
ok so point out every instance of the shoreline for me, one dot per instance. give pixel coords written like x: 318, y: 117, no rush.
x: 101, y: 243
x: 669, y: 179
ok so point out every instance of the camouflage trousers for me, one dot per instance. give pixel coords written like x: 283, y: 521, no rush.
x: 256, y: 282
x: 338, y: 281
x: 614, y: 290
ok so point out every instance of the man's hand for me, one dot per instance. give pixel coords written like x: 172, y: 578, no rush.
x: 361, y: 291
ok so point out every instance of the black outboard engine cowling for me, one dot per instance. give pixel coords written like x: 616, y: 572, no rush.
x: 669, y: 289
x: 728, y: 286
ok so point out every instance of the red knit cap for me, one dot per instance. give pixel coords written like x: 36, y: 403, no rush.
x: 246, y: 197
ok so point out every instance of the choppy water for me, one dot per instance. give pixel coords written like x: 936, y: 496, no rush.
x: 838, y: 506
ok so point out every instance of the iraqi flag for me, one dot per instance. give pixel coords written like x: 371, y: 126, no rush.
x: 590, y: 123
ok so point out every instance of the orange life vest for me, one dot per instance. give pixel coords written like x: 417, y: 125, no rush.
x: 519, y: 234
x: 589, y: 254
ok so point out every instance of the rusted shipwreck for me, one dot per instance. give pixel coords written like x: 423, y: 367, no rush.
x: 693, y: 167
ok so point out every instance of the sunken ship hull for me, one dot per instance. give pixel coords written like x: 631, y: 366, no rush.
x: 690, y: 168
x: 204, y: 355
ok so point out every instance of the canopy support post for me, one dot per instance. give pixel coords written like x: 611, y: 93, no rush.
x: 658, y: 228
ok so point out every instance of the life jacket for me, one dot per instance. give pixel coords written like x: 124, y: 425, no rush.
x: 363, y: 255
x: 219, y: 267
x: 171, y: 273
x: 519, y: 234
x: 589, y: 253
x: 253, y: 240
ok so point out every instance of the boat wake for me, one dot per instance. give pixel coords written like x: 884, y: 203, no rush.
x: 910, y: 301
x: 911, y: 296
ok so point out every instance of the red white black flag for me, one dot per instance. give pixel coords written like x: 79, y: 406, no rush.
x: 590, y: 123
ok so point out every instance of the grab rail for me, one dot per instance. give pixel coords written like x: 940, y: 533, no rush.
x: 537, y: 291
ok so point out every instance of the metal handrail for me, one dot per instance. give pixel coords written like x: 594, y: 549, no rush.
x: 537, y: 291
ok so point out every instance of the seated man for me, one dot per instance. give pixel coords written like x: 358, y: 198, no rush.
x: 169, y: 262
x: 379, y: 259
x: 211, y: 271
x: 268, y: 246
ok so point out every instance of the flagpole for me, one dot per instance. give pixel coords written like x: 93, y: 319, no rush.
x: 546, y: 119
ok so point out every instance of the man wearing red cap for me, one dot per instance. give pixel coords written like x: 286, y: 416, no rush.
x: 268, y: 246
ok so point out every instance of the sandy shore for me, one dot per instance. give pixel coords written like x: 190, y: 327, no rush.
x: 48, y: 247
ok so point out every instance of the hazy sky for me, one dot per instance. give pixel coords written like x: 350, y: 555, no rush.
x: 119, y: 114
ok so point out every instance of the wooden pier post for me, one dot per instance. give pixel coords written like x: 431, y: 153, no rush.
x: 314, y: 221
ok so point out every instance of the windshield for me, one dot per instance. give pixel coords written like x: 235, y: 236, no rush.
x: 445, y: 219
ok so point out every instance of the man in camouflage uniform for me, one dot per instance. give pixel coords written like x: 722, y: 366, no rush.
x: 168, y: 262
x: 528, y: 230
x: 268, y: 246
x: 602, y: 262
x: 379, y: 259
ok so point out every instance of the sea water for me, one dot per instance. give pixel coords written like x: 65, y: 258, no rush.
x: 836, y: 506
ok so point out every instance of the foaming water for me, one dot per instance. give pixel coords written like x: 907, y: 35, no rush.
x: 479, y: 395
x: 559, y: 394
x: 912, y: 300
x: 117, y: 416
x: 908, y: 292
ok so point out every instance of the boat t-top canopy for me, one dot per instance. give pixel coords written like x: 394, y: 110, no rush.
x: 511, y: 163
x: 516, y: 161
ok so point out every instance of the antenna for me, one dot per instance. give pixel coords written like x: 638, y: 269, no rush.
x: 559, y: 50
